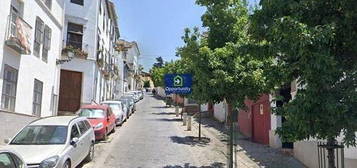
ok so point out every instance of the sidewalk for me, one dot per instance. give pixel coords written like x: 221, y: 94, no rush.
x: 248, y: 154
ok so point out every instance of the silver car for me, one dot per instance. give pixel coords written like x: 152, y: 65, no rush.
x: 11, y: 159
x: 55, y: 142
x: 118, y: 110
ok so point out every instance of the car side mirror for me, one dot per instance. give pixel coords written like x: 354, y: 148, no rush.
x: 74, y: 141
x: 7, y: 140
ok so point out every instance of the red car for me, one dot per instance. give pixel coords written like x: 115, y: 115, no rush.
x: 101, y: 118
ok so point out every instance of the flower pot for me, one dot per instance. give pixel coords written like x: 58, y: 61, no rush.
x: 70, y: 54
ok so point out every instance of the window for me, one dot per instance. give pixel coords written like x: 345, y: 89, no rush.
x: 37, y: 98
x: 18, y: 161
x: 87, y: 124
x: 9, y: 88
x: 48, y: 3
x: 74, y: 35
x: 41, y: 135
x: 6, y: 161
x: 46, y: 43
x: 82, y: 127
x: 39, y: 28
x: 78, y: 2
x: 74, y: 132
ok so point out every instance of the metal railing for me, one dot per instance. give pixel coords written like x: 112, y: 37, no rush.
x: 322, y: 155
x: 18, y: 34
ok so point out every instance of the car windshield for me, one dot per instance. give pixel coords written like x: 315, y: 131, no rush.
x: 41, y: 135
x: 115, y: 107
x: 92, y: 113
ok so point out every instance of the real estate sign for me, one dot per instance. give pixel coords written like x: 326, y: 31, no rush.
x: 178, y: 83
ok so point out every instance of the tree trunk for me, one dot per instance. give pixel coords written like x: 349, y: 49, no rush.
x: 210, y: 109
x: 231, y: 134
x: 331, y: 146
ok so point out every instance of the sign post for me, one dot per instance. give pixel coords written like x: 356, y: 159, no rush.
x: 178, y: 84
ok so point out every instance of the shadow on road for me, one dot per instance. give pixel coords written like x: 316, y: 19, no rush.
x: 190, y: 140
x: 187, y: 165
x: 169, y: 119
x: 159, y: 107
x: 164, y: 113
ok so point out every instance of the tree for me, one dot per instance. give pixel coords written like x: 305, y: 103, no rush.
x: 157, y: 74
x: 146, y: 84
x: 159, y: 62
x: 316, y: 43
x: 222, y: 68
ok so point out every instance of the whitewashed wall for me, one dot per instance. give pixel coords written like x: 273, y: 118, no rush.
x: 31, y: 67
x: 220, y: 111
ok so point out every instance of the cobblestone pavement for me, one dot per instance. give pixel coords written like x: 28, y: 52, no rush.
x: 252, y: 154
x: 154, y: 137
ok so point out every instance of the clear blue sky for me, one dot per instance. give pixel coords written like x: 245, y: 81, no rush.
x: 157, y: 25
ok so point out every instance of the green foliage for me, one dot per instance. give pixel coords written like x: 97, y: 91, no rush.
x: 146, y: 84
x: 157, y: 74
x: 316, y: 43
x: 221, y: 67
x: 159, y: 62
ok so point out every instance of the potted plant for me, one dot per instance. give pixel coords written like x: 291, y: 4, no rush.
x: 81, y: 54
x: 68, y: 51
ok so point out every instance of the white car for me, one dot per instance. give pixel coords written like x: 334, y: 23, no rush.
x: 11, y: 159
x: 55, y: 142
x: 118, y: 110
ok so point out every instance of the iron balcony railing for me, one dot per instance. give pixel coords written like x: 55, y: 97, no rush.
x: 18, y: 34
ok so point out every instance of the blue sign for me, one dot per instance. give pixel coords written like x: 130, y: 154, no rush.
x: 178, y: 83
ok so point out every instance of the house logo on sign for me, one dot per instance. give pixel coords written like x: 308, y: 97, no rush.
x: 178, y: 81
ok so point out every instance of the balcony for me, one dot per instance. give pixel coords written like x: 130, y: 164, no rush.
x: 18, y: 34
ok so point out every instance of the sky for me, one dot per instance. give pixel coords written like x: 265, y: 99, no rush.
x: 157, y: 25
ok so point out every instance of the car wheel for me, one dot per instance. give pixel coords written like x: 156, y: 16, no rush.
x: 90, y: 155
x: 113, y: 130
x: 122, y: 120
x: 67, y: 164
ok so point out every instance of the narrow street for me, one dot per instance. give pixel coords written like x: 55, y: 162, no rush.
x: 154, y: 137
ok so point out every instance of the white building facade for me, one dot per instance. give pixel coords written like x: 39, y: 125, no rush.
x: 31, y: 35
x: 29, y: 76
x: 130, y: 54
x: 90, y: 27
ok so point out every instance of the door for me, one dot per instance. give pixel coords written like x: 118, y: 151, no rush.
x: 75, y: 151
x: 261, y: 122
x: 70, y: 91
x: 85, y: 140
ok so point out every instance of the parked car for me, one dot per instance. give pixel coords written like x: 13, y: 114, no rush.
x: 134, y: 95
x: 131, y: 101
x: 126, y: 107
x: 118, y: 110
x: 140, y: 94
x: 9, y: 159
x: 101, y: 118
x: 55, y: 142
